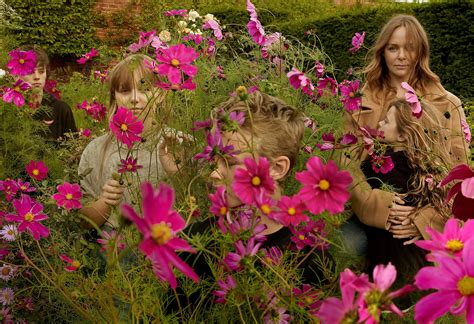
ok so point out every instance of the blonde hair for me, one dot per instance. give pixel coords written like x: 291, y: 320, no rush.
x: 376, y: 71
x: 426, y: 150
x: 277, y: 127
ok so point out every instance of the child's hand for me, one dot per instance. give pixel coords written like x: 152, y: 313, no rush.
x: 406, y: 229
x: 112, y: 192
x: 168, y: 152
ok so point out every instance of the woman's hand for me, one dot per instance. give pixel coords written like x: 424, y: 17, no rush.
x: 168, y: 152
x: 398, y: 212
x: 112, y: 192
x: 405, y: 229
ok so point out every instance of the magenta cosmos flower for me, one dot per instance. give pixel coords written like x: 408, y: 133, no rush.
x: 215, y: 147
x: 126, y: 127
x: 233, y: 260
x: 9, y: 188
x: 324, y: 186
x: 144, y: 39
x: 412, y: 98
x: 254, y: 26
x: 319, y: 68
x: 344, y: 310
x: 453, y: 278
x: 37, y: 170
x: 186, y: 85
x: 351, y: 96
x: 29, y: 213
x: 463, y: 191
x: 176, y: 12
x: 129, y: 165
x: 449, y: 243
x: 177, y: 59
x: 214, y: 26
x: 15, y: 94
x: 382, y: 164
x: 68, y: 196
x: 22, y: 62
x: 111, y: 240
x: 357, y: 42
x: 50, y: 87
x: 327, y: 86
x: 88, y: 56
x: 219, y: 204
x: 378, y: 296
x: 466, y: 130
x: 253, y: 181
x: 225, y: 287
x: 159, y: 226
x: 73, y: 264
x: 298, y: 80
x: 290, y: 211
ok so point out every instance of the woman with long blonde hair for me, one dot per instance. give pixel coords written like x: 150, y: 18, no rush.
x: 401, y: 54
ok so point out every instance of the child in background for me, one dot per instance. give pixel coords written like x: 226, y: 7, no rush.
x: 420, y: 160
x: 56, y: 114
x: 132, y: 87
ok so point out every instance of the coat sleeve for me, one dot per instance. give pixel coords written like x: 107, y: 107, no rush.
x: 459, y: 147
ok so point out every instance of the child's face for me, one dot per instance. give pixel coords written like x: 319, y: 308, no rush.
x: 224, y: 174
x: 389, y: 127
x: 37, y: 79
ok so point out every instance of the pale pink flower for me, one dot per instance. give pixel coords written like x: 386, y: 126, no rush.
x: 412, y: 98
x: 357, y: 42
x: 466, y: 130
x: 298, y: 80
x: 214, y: 26
x: 319, y: 67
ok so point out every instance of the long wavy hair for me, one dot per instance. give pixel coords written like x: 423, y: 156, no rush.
x: 376, y: 72
x: 426, y: 150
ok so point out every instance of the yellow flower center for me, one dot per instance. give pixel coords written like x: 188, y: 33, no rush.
x: 23, y: 188
x: 301, y: 237
x: 324, y: 184
x: 35, y: 172
x: 76, y: 264
x: 454, y: 245
x: 265, y: 209
x: 175, y: 62
x: 291, y: 211
x: 129, y: 166
x: 161, y: 233
x: 11, y: 232
x: 466, y: 286
x: 88, y: 107
x: 68, y: 196
x: 351, y: 94
x: 29, y: 217
x: 21, y: 61
x: 223, y: 210
x: 256, y: 181
x: 17, y: 89
x: 309, y: 300
x: 124, y: 127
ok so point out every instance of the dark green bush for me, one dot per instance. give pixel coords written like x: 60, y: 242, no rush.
x: 63, y: 27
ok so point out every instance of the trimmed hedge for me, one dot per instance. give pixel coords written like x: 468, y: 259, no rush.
x: 449, y: 26
x: 62, y: 27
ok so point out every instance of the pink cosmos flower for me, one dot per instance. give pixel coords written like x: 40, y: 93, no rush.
x: 186, y: 85
x: 219, y: 204
x: 368, y: 136
x: 462, y: 191
x: 85, y: 132
x: 348, y: 139
x: 357, y: 42
x: 274, y: 42
x: 7, y: 295
x: 309, y: 298
x: 29, y: 213
x: 226, y: 286
x: 298, y: 80
x: 214, y: 26
x: 309, y: 123
x: 234, y: 260
x: 319, y: 67
x: 312, y: 234
x: 126, y: 127
x: 412, y: 98
x: 449, y: 243
x: 50, y: 87
x: 378, y: 297
x: 328, y: 142
x: 88, y: 56
x: 111, y: 240
x: 94, y: 109
x: 102, y: 76
x: 334, y: 310
x: 276, y: 315
x: 176, y: 12
x: 466, y: 130
x: 10, y: 188
x: 73, y: 264
x: 202, y: 124
x: 15, y: 94
x: 215, y: 147
x: 129, y: 165
x: 37, y: 170
x: 68, y: 196
x: 211, y: 47
x: 327, y: 86
x: 291, y: 211
x: 177, y: 59
x: 159, y: 226
x: 144, y: 39
x: 22, y: 62
x: 272, y: 256
x: 382, y: 164
x: 453, y: 278
x: 253, y: 181
x: 351, y: 97
x: 324, y: 186
x: 254, y: 27
x: 191, y: 37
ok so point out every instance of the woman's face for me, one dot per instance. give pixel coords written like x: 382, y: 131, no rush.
x: 399, y: 56
x: 389, y: 127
